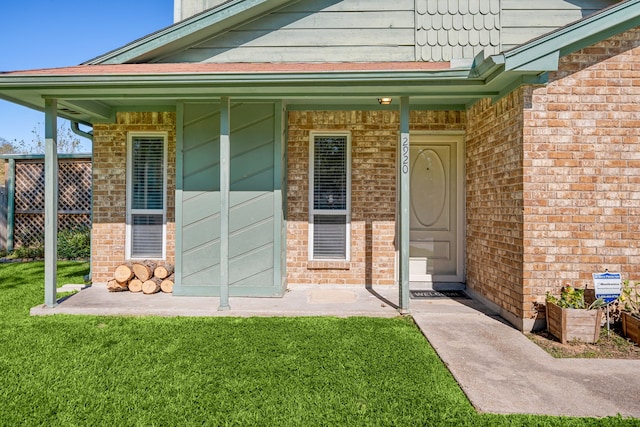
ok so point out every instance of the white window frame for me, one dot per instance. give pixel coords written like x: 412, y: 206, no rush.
x: 130, y: 212
x: 313, y: 212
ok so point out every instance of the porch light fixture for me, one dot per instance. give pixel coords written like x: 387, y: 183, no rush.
x: 385, y: 101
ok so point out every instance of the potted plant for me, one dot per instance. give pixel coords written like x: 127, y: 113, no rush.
x: 569, y: 318
x: 630, y: 297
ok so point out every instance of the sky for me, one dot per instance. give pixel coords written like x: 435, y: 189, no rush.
x: 58, y: 33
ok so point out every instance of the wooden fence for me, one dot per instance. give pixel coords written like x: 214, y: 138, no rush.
x: 3, y: 217
x: 24, y: 206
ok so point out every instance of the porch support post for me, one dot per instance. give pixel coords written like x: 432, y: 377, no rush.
x: 225, y: 162
x: 404, y: 206
x: 11, y: 203
x: 50, y: 201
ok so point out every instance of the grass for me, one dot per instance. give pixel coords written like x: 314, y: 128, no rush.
x: 149, y: 371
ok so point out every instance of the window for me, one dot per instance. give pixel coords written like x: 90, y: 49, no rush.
x: 329, y: 196
x: 146, y: 196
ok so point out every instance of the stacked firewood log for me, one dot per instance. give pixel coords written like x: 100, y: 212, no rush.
x: 146, y: 276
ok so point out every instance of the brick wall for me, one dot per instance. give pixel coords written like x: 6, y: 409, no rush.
x: 109, y: 180
x: 553, y: 176
x: 494, y: 201
x: 374, y: 136
x: 582, y: 169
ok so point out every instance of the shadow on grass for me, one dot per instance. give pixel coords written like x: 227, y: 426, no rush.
x: 19, y: 274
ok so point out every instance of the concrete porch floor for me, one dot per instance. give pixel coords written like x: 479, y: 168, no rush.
x: 498, y: 368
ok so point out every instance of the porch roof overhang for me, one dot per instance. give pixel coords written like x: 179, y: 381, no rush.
x: 94, y: 93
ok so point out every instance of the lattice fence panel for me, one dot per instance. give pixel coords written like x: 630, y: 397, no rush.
x: 74, y: 199
x: 29, y: 228
x: 74, y: 187
x: 29, y: 181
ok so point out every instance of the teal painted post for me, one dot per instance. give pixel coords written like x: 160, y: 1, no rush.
x: 225, y: 167
x: 177, y: 270
x: 50, y: 201
x: 11, y: 203
x: 277, y: 199
x: 284, y: 155
x: 404, y: 204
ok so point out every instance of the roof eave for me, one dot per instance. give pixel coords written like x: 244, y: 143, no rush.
x: 93, y: 94
x: 71, y: 80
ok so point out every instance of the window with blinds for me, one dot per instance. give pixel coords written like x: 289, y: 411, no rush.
x: 146, y: 196
x: 330, y: 195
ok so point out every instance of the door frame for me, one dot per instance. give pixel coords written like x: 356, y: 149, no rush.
x: 418, y: 138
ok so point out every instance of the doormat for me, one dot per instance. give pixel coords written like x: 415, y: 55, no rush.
x: 428, y: 294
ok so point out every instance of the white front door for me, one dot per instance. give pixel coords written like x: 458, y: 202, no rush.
x: 437, y: 208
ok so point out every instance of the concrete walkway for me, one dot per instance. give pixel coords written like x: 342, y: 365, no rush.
x: 498, y: 368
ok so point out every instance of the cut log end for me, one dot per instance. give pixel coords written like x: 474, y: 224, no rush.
x: 123, y: 273
x: 135, y: 285
x: 167, y: 285
x: 163, y: 271
x: 143, y: 270
x: 151, y: 286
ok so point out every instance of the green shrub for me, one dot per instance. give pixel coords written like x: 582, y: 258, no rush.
x: 74, y: 244
x: 33, y: 251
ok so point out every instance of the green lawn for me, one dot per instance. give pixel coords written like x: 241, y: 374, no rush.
x: 92, y: 371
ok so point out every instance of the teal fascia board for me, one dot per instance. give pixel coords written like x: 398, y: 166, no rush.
x: 539, y: 79
x: 370, y: 107
x: 41, y: 156
x: 538, y: 54
x: 547, y: 62
x: 217, y: 20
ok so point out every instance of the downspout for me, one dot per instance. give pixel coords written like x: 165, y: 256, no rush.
x: 75, y: 128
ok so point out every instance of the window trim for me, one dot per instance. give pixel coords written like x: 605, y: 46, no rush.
x: 313, y: 211
x: 129, y: 177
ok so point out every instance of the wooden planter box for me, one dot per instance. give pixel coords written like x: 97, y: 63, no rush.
x: 631, y: 327
x: 567, y: 324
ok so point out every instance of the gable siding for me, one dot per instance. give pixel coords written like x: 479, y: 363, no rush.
x: 455, y: 29
x: 183, y: 9
x: 383, y: 30
x: 316, y: 31
x: 524, y: 20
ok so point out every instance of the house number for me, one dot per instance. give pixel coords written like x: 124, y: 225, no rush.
x: 405, y: 155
